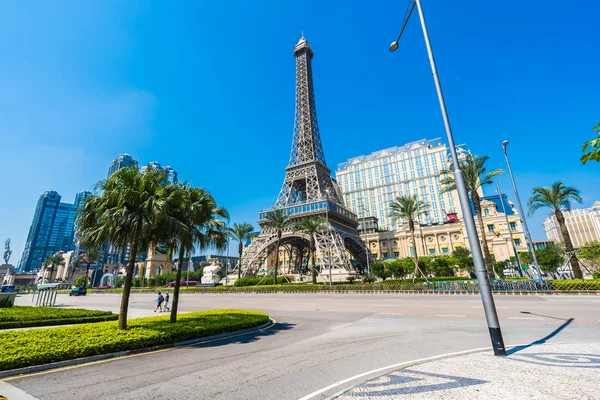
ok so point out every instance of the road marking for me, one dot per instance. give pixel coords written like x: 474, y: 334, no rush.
x: 50, y: 371
x: 399, y: 365
x: 391, y: 313
x: 11, y: 392
x: 309, y: 304
x: 251, y: 302
x: 452, y: 315
x: 531, y: 318
x: 386, y: 305
x: 499, y: 308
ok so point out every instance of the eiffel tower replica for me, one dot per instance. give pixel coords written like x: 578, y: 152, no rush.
x: 308, y: 190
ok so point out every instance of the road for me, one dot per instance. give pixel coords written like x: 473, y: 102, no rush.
x: 319, y: 339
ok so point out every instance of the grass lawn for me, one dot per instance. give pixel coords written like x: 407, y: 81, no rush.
x: 41, y: 346
x: 22, y: 317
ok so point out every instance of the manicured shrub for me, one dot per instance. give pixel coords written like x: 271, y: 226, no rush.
x: 21, y: 317
x: 41, y: 346
x: 576, y: 284
x: 255, y: 280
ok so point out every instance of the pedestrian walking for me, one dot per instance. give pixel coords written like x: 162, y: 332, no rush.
x: 159, y: 302
x: 166, y: 302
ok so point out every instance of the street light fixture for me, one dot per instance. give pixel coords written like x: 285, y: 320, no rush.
x: 480, y: 269
x: 523, y: 219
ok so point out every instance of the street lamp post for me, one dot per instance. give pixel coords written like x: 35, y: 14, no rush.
x: 328, y: 245
x: 523, y: 219
x: 366, y: 235
x: 480, y: 269
x: 514, y: 246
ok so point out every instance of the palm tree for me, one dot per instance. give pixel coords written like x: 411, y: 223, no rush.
x: 90, y: 256
x: 476, y: 176
x: 277, y: 221
x: 240, y: 233
x: 311, y: 226
x: 55, y: 261
x: 408, y: 208
x: 131, y: 208
x: 198, y: 224
x: 557, y: 197
x: 76, y: 263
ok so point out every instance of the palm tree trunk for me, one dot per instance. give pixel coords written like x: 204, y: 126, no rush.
x: 577, y: 274
x: 177, y: 284
x: 122, y: 323
x: 240, y: 251
x: 313, y: 256
x: 276, y: 258
x: 411, y: 227
x: 484, y: 245
x: 87, y: 275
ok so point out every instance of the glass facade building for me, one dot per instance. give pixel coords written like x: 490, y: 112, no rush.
x: 122, y: 161
x: 369, y: 183
x: 52, y: 230
x: 171, y: 173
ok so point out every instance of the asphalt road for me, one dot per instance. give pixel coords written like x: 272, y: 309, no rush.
x: 318, y: 340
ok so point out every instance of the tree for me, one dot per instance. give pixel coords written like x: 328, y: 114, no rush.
x: 442, y: 265
x: 401, y: 267
x: 550, y: 258
x: 240, y: 233
x: 476, y: 176
x: 594, y: 146
x: 380, y: 269
x: 591, y: 253
x: 277, y: 221
x: 196, y: 223
x: 131, y: 210
x: 463, y: 259
x: 75, y: 264
x: 408, y: 208
x: 311, y: 226
x: 557, y: 197
x: 55, y: 260
x: 525, y: 257
x: 91, y: 255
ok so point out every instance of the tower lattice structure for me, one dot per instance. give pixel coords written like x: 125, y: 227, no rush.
x: 308, y: 190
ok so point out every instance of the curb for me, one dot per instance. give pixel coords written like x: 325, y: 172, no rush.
x: 84, y: 360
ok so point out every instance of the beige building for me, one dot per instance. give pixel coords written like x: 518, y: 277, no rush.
x: 583, y: 225
x: 369, y: 183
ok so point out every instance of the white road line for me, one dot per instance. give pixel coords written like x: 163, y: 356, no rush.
x: 391, y: 313
x: 14, y: 393
x: 251, y: 302
x: 531, y: 318
x: 452, y: 315
x: 385, y: 305
x: 374, y: 371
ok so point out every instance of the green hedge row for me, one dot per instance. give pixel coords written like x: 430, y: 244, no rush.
x: 255, y: 280
x: 576, y: 284
x: 22, y: 317
x: 42, y: 346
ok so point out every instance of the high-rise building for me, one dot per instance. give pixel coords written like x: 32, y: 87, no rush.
x: 171, y: 173
x: 369, y: 183
x: 583, y: 225
x: 52, y: 230
x: 122, y: 161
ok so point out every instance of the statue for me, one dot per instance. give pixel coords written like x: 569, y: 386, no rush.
x: 7, y: 251
x: 210, y: 273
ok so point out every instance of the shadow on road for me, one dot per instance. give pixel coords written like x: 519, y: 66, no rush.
x: 249, y: 337
x: 544, y: 339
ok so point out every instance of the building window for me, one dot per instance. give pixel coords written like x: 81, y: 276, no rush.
x: 431, y: 251
x: 513, y: 226
x: 412, y: 251
x: 486, y: 212
x: 385, y: 254
x: 444, y: 250
x: 396, y: 254
x: 517, y: 242
x: 490, y: 228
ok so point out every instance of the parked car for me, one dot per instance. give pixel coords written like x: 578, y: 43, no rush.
x: 78, y: 292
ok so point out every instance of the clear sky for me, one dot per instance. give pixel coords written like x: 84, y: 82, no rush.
x: 208, y: 88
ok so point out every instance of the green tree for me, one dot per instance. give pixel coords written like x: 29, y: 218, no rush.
x: 311, y: 226
x: 557, y: 197
x: 75, y: 264
x: 55, y: 260
x: 380, y: 269
x: 443, y: 265
x: 550, y: 258
x: 463, y: 259
x: 594, y: 146
x: 476, y: 176
x: 240, y: 233
x: 401, y: 267
x: 196, y: 223
x: 90, y: 256
x: 591, y: 253
x: 277, y: 221
x: 131, y: 209
x: 525, y: 257
x: 408, y: 208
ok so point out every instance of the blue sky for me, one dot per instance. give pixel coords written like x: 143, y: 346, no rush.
x: 208, y: 88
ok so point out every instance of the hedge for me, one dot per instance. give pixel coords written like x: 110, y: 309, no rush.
x: 22, y: 317
x: 576, y: 284
x: 255, y: 280
x: 41, y: 346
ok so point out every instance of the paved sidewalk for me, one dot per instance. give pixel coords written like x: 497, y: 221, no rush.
x: 548, y: 371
